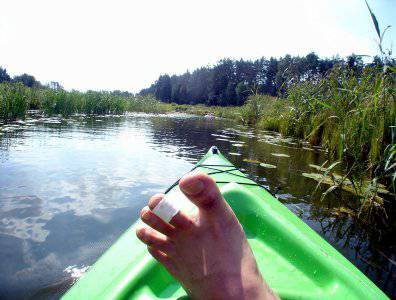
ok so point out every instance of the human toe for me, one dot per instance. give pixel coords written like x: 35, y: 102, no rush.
x: 155, y: 239
x: 155, y: 222
x: 154, y: 200
x: 202, y: 190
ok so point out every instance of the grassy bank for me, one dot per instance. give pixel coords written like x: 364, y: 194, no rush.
x: 16, y: 99
x: 352, y: 117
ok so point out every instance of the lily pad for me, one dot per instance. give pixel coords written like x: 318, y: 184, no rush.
x: 280, y: 155
x: 317, y: 167
x: 315, y: 176
x: 221, y: 136
x: 292, y: 143
x: 252, y: 161
x: 268, y: 166
x: 234, y: 153
x: 237, y: 142
x: 342, y: 211
x: 284, y: 196
x: 345, y: 184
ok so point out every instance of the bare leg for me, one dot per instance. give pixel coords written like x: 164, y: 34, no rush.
x: 208, y: 253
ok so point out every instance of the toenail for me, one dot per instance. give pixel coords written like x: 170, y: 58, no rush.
x: 143, y: 212
x: 139, y: 233
x: 193, y: 187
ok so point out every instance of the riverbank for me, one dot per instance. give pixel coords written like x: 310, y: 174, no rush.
x: 16, y: 99
x: 352, y: 119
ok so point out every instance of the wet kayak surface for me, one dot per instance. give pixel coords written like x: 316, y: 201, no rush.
x: 70, y: 187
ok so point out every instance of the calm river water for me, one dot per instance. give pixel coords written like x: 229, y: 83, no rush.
x: 69, y: 188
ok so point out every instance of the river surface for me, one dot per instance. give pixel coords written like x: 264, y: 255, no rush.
x: 70, y: 187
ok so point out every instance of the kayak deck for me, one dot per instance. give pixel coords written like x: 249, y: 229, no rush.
x: 295, y: 261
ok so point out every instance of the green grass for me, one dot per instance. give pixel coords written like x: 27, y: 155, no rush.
x: 354, y: 118
x: 16, y: 99
x: 230, y: 112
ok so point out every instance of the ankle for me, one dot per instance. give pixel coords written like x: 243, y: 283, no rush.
x: 232, y: 287
x: 252, y: 288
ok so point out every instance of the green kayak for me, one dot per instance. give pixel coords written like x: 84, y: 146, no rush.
x: 295, y: 261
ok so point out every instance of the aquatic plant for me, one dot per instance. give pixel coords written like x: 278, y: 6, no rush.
x: 14, y: 101
x: 351, y: 116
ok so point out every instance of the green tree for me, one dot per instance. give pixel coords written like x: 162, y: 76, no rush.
x: 57, y: 86
x: 230, y: 82
x: 4, y: 75
x: 163, y: 89
x: 270, y: 79
x: 27, y: 80
x: 241, y: 92
x: 355, y: 63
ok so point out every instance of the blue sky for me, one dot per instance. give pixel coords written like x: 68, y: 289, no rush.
x: 126, y: 44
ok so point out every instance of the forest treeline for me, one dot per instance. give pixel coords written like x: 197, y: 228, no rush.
x: 230, y: 82
x: 31, y: 82
x: 347, y: 106
x: 26, y: 79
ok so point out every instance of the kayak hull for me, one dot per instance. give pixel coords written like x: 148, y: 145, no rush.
x: 295, y: 261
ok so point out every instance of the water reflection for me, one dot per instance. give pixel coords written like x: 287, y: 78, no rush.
x: 69, y: 188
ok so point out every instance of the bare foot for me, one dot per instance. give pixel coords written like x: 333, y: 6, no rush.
x: 208, y: 253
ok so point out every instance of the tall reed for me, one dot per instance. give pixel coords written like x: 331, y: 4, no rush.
x: 352, y: 116
x: 14, y: 101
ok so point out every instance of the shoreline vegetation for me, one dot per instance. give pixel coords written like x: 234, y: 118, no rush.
x: 346, y: 106
x: 16, y: 99
x: 352, y: 118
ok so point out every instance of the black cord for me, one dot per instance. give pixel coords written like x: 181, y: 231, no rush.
x: 217, y: 171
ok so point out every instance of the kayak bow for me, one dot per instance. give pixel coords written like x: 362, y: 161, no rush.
x: 295, y: 261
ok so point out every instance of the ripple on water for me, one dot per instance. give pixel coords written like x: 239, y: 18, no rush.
x: 84, y: 182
